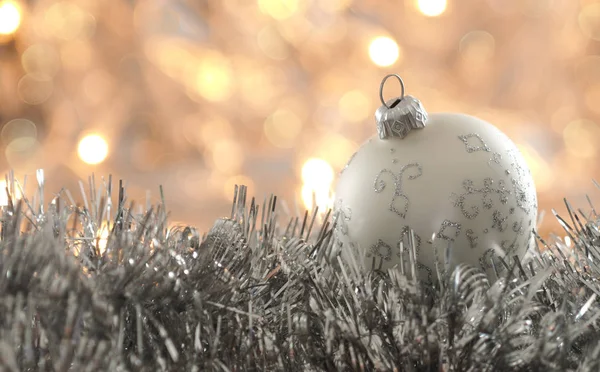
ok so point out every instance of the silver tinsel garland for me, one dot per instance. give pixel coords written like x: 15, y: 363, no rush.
x: 255, y: 295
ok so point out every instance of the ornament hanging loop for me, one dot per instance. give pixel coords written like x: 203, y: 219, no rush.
x: 381, y: 90
x: 398, y: 116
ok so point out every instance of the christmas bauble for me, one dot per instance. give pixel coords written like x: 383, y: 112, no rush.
x: 456, y: 183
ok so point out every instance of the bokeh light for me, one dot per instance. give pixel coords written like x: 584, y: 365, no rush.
x: 4, y: 195
x: 589, y: 21
x: 279, y: 9
x: 272, y: 44
x: 103, y: 234
x: 97, y: 86
x: 35, y: 88
x: 214, y: 80
x: 282, y: 128
x: 18, y: 128
x: 92, y: 149
x: 317, y: 176
x: 210, y: 131
x: 22, y: 146
x: 10, y: 17
x: 477, y: 46
x: 41, y: 59
x: 432, y: 8
x: 355, y: 106
x: 335, y: 6
x: 227, y: 156
x: 384, y: 51
x: 582, y: 138
x: 334, y: 148
x: 76, y: 55
x: 65, y: 20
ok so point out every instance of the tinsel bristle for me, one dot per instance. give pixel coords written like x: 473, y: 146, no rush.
x: 87, y: 288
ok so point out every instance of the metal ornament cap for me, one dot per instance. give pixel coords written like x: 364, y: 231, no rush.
x: 398, y: 116
x: 399, y: 120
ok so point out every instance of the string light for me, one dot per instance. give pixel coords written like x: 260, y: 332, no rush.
x: 432, y: 8
x: 384, y: 51
x: 92, y: 149
x: 10, y: 17
x: 317, y: 176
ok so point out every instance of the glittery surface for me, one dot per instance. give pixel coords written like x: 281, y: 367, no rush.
x: 400, y: 202
x: 472, y: 237
x: 449, y: 230
x: 474, y: 197
x: 404, y: 240
x: 499, y: 221
x: 524, y: 199
x: 473, y: 142
x: 381, y: 250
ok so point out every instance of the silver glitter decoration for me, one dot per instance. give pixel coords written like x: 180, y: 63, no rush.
x: 496, y: 157
x: 509, y: 247
x: 472, y: 238
x: 476, y: 197
x: 473, y: 142
x: 499, y: 221
x: 526, y: 199
x: 470, y: 200
x: 381, y: 250
x: 400, y: 202
x: 405, y: 241
x: 446, y: 232
x: 517, y: 227
x: 425, y: 274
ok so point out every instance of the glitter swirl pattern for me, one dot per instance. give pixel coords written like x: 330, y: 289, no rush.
x: 400, y: 201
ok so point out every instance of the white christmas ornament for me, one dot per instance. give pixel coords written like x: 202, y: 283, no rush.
x: 456, y: 181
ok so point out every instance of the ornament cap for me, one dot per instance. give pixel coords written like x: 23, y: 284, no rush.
x: 398, y: 116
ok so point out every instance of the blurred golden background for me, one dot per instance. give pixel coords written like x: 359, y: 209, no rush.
x: 277, y: 94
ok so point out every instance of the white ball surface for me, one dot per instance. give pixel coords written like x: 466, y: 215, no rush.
x: 459, y: 179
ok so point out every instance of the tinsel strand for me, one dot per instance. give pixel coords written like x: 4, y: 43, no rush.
x: 255, y: 295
